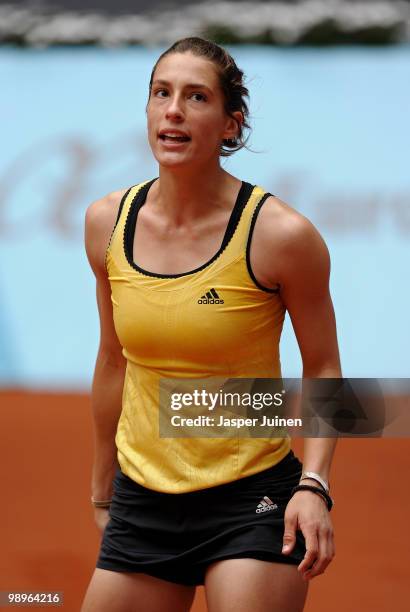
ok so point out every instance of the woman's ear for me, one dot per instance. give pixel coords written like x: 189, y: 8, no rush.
x: 233, y: 127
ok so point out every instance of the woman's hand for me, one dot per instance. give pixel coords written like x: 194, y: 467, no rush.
x: 101, y: 517
x: 307, y: 511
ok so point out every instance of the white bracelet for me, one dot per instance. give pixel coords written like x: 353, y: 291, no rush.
x: 318, y: 478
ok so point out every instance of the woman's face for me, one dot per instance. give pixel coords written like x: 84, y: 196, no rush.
x: 185, y: 112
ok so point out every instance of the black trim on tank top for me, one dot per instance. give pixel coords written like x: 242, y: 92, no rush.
x: 124, y: 197
x: 121, y: 206
x: 244, y: 194
x: 248, y: 246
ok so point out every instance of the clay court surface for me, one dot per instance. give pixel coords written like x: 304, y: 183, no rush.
x: 49, y: 541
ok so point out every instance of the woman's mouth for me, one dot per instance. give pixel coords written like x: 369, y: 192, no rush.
x: 173, y: 138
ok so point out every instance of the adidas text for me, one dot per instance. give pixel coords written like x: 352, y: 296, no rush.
x: 265, y: 505
x: 210, y: 297
x: 210, y: 302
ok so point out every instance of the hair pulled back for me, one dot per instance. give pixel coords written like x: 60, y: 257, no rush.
x: 230, y: 79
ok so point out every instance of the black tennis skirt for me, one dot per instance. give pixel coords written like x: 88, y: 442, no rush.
x: 175, y: 536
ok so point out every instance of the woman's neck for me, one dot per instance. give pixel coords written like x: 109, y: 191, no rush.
x: 185, y: 197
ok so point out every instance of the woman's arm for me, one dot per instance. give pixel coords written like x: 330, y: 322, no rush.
x: 108, y: 380
x: 305, y: 293
x: 106, y: 402
x: 304, y: 280
x: 289, y: 251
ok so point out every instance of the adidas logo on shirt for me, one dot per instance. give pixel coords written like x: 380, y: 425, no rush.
x: 265, y: 505
x: 210, y: 297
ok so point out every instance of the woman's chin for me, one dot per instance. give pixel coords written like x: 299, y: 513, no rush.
x: 172, y: 160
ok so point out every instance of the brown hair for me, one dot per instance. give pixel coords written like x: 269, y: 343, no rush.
x: 230, y: 79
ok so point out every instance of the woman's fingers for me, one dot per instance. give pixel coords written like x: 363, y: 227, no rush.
x: 289, y: 536
x: 102, y: 517
x: 312, y: 518
x: 312, y: 548
x: 324, y: 556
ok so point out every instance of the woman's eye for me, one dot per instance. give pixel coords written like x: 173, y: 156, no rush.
x: 200, y: 96
x: 163, y: 93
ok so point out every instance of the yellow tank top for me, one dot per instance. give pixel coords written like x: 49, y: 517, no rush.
x: 168, y: 330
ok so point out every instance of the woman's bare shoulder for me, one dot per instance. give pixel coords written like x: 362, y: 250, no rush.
x: 103, y: 211
x: 100, y: 218
x: 287, y: 226
x: 287, y: 244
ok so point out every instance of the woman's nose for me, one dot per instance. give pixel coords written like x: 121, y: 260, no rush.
x: 175, y: 108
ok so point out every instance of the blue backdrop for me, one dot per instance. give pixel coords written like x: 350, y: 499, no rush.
x: 331, y: 135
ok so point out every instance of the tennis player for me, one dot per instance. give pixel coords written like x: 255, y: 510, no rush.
x: 195, y: 270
